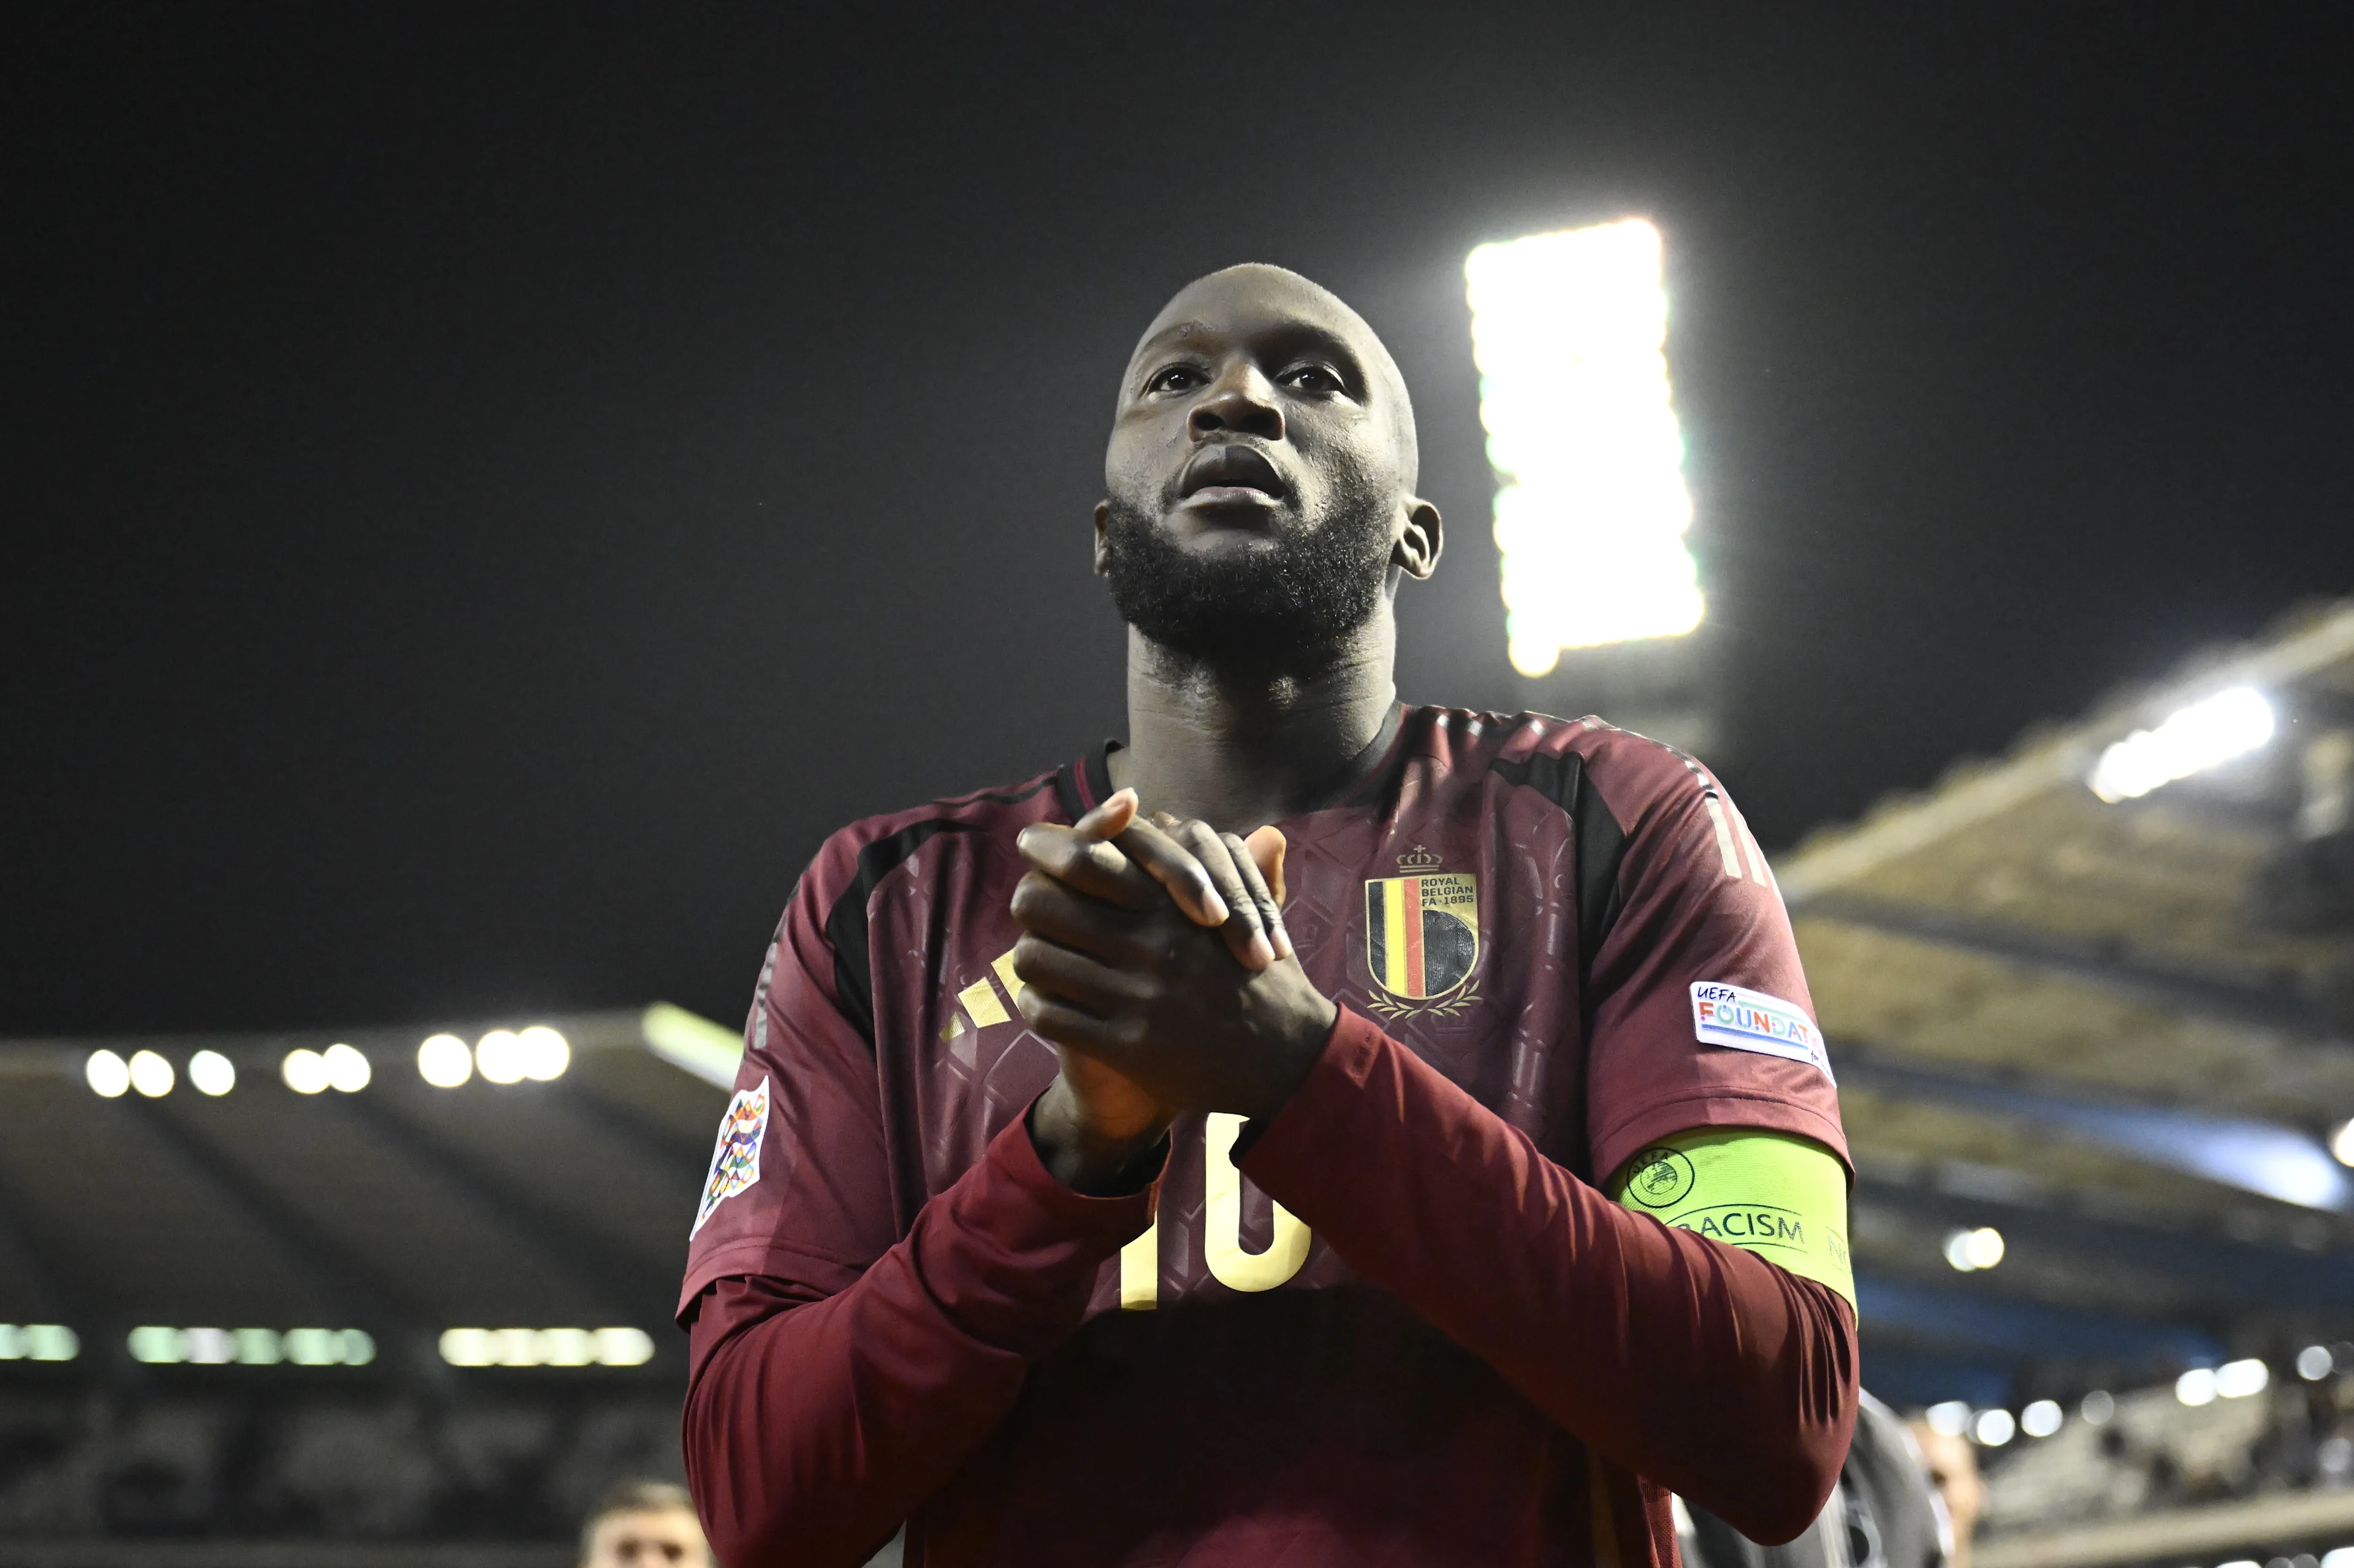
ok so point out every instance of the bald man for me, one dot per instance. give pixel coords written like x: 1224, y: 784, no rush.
x: 1318, y: 1132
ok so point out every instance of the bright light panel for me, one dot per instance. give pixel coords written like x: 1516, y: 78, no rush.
x: 151, y: 1074
x: 158, y: 1345
x: 444, y: 1062
x: 2341, y: 1142
x: 38, y: 1343
x: 1569, y: 332
x: 1993, y: 1428
x: 1970, y: 1250
x: 212, y: 1073
x: 544, y: 1052
x: 2228, y: 725
x: 347, y: 1070
x: 499, y: 1056
x: 1951, y: 1418
x: 108, y: 1074
x: 2238, y: 1379
x: 2041, y: 1419
x: 304, y: 1070
x: 622, y: 1347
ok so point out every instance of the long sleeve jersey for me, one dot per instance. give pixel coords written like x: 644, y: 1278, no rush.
x: 1403, y: 1327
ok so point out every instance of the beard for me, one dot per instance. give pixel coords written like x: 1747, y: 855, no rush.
x: 1289, y: 608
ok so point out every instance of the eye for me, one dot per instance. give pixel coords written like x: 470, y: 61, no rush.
x: 1174, y: 378
x: 1316, y: 378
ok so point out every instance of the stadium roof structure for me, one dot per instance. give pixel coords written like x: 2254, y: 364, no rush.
x: 2098, y: 996
x: 401, y: 1209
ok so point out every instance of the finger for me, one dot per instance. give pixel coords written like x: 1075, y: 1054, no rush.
x: 1255, y: 889
x: 1045, y: 907
x: 1174, y: 867
x: 1246, y: 928
x: 1060, y: 1022
x: 1073, y: 977
x: 1267, y: 847
x: 1087, y: 863
x: 1109, y: 820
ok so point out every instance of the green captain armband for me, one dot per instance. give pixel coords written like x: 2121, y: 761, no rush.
x: 1781, y: 1197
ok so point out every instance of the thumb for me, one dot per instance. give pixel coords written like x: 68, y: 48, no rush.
x: 1112, y: 819
x: 1266, y: 846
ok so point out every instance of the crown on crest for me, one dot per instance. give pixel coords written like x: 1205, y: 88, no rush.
x: 1419, y: 859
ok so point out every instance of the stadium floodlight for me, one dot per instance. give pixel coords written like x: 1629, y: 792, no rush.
x: 544, y: 1052
x: 2098, y: 1406
x: 108, y: 1074
x: 1950, y: 1419
x: 1569, y: 332
x: 2214, y: 729
x: 151, y: 1074
x: 1971, y: 1250
x: 2195, y: 1387
x: 212, y: 1073
x: 1994, y: 1427
x: 2341, y: 1142
x: 2315, y: 1362
x: 2041, y: 1419
x: 444, y: 1061
x: 347, y: 1069
x: 304, y: 1070
x: 499, y: 1056
x: 2343, y: 1557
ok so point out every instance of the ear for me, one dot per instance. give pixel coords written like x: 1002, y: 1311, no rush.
x: 1102, y: 515
x: 1417, y: 551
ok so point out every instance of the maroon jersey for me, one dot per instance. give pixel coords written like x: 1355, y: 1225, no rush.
x: 1402, y: 1327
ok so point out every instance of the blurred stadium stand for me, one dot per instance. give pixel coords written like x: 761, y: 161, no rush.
x: 2116, y: 1033
x: 401, y: 1211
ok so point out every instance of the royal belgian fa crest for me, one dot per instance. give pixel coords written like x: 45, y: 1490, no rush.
x: 1422, y: 938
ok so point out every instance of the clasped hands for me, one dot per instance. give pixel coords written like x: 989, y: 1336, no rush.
x: 1154, y: 960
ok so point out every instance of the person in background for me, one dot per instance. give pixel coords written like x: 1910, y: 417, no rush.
x: 1953, y: 1468
x: 644, y: 1525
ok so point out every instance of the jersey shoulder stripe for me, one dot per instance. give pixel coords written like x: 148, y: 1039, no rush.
x: 856, y: 860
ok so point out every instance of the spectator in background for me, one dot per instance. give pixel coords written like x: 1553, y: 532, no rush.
x: 1953, y: 1468
x: 644, y: 1525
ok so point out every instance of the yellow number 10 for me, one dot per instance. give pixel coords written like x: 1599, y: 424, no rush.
x: 1230, y: 1265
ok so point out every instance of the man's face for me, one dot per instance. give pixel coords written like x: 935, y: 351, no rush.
x: 652, y: 1537
x: 1258, y: 475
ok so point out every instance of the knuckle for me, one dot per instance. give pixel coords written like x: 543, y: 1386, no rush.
x: 1029, y: 955
x: 1027, y: 894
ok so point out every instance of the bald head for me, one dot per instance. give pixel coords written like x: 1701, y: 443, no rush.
x: 1259, y: 506
x: 1265, y: 290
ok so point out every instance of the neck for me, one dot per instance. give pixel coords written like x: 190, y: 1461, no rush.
x: 1239, y: 749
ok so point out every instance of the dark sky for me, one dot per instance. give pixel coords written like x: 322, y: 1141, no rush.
x: 485, y: 495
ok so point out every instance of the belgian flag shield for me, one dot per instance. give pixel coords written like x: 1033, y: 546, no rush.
x: 1422, y: 933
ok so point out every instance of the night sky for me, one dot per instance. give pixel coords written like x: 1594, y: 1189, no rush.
x: 487, y: 492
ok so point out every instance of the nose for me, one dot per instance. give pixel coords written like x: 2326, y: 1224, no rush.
x: 1240, y: 401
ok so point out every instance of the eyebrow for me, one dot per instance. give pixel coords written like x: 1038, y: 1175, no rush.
x: 1294, y: 331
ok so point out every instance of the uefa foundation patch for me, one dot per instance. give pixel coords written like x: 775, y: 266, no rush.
x: 735, y: 1161
x: 1752, y: 1021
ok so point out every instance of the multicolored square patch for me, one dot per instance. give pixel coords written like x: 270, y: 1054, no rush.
x: 735, y: 1161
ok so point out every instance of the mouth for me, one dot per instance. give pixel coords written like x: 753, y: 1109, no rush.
x: 1231, y: 476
